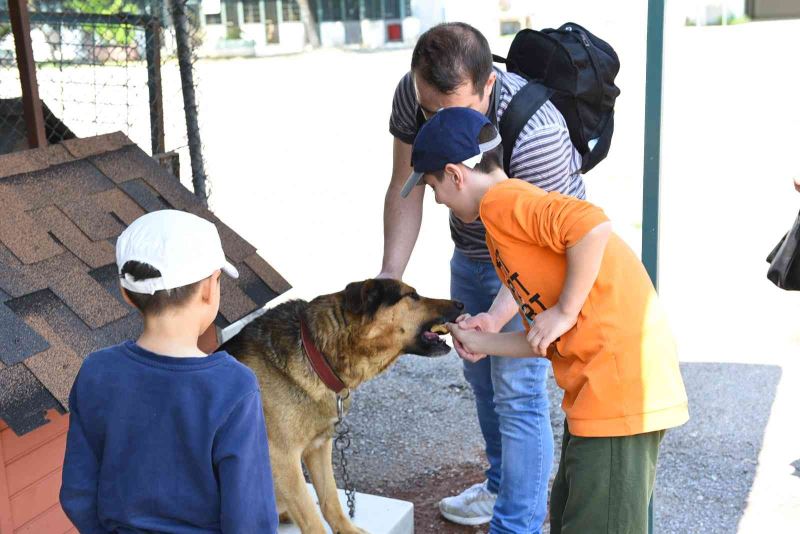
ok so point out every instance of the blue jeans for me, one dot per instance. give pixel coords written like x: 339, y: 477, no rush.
x: 513, y: 412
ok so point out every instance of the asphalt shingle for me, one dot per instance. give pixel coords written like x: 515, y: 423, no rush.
x: 93, y: 253
x: 24, y: 400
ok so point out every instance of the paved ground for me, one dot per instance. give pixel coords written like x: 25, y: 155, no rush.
x: 299, y: 153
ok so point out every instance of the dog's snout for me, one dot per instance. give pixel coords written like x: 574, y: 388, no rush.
x: 453, y: 310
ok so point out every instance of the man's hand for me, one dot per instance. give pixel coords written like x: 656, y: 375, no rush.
x: 388, y: 275
x: 549, y: 326
x: 464, y: 340
x: 797, y: 184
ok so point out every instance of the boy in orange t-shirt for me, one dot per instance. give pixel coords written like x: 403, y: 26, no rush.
x: 589, y: 307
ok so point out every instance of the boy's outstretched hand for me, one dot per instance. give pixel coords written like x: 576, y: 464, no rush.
x: 464, y: 337
x: 549, y: 326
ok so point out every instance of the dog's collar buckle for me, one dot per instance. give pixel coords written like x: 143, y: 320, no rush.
x: 320, y: 364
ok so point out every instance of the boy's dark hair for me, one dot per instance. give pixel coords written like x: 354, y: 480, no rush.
x: 161, y: 300
x: 491, y: 159
x: 450, y: 53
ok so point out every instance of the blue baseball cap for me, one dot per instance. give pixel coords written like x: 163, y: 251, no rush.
x: 450, y: 136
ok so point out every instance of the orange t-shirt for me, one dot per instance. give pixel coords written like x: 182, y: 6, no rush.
x: 618, y: 365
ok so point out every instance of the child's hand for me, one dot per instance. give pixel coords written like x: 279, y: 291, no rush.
x: 463, y: 341
x: 483, y: 322
x: 549, y: 326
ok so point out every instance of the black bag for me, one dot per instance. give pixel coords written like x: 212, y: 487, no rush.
x: 784, y: 260
x: 573, y: 69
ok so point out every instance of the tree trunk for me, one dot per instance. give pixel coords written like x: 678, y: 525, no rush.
x: 309, y: 23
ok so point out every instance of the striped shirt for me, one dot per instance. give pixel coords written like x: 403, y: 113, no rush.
x: 543, y: 153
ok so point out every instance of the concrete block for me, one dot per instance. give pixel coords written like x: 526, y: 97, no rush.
x: 376, y: 515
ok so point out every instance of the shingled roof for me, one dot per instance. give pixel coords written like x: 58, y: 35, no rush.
x: 62, y: 209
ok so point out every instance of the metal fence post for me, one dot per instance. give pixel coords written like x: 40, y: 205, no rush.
x: 152, y: 32
x: 32, y: 106
x: 177, y: 7
x: 652, y: 137
x: 652, y: 155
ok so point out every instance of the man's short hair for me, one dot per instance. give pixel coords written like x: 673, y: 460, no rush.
x: 161, y: 300
x: 450, y: 54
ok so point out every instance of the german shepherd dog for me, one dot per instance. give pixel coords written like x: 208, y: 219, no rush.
x: 361, y: 331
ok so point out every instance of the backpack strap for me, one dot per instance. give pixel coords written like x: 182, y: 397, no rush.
x: 419, y: 118
x: 522, y: 107
x: 495, y: 105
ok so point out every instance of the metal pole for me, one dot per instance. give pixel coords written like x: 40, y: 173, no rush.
x: 32, y: 106
x: 177, y: 7
x: 652, y: 156
x: 652, y: 137
x: 152, y: 33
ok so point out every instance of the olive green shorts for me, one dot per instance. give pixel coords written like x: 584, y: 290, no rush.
x: 604, y: 485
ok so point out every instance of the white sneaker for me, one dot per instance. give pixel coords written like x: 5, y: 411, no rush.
x: 473, y: 506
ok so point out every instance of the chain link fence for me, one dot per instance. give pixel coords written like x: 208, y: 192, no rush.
x: 110, y: 65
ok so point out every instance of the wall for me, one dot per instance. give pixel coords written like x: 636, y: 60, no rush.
x: 30, y: 478
x: 774, y: 9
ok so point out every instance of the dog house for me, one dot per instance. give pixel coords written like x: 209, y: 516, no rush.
x: 63, y: 207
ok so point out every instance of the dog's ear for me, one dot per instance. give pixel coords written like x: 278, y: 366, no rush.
x: 363, y: 298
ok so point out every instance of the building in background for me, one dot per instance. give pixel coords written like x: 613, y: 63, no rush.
x: 713, y: 12
x: 723, y: 12
x: 772, y: 9
x: 266, y: 27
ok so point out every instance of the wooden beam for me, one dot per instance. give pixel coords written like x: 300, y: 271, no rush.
x: 32, y: 106
x: 6, y: 524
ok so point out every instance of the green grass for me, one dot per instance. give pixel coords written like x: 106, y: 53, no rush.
x: 732, y: 20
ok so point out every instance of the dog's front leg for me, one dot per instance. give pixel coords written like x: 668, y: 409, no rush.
x: 290, y: 486
x: 320, y: 467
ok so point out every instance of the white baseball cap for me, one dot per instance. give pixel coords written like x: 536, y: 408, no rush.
x: 183, y: 247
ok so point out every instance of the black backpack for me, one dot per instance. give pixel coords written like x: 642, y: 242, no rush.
x: 573, y: 69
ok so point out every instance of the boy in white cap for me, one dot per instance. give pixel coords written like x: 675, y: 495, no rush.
x: 162, y: 436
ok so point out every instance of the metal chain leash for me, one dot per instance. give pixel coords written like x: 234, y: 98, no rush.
x: 342, y: 442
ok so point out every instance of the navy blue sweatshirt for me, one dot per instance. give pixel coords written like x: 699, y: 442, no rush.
x: 166, y: 444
